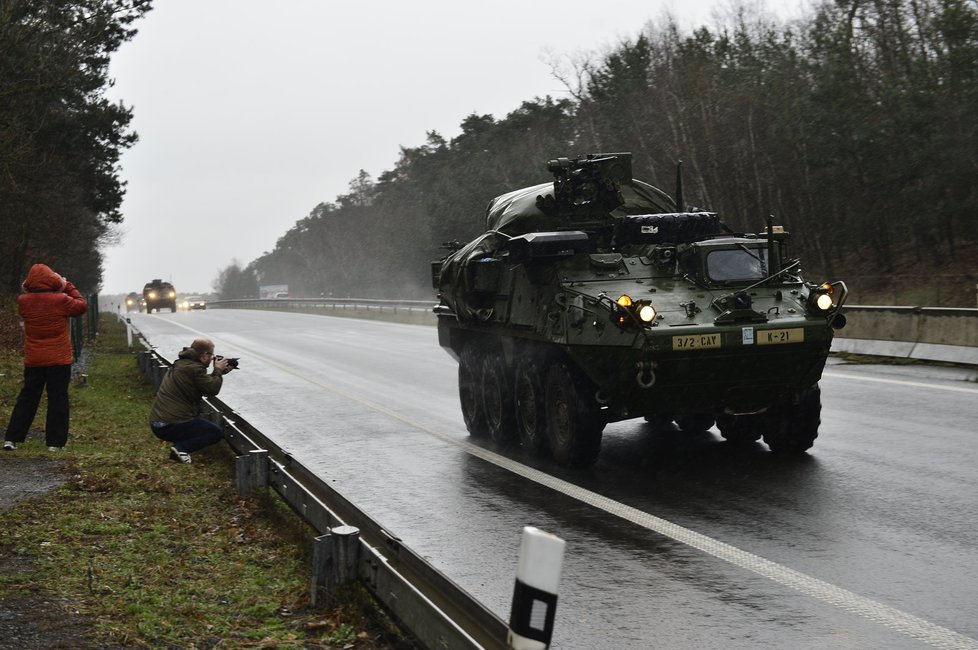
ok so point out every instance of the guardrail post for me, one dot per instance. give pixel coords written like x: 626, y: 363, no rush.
x: 141, y: 359
x: 335, y: 557
x: 531, y: 619
x: 128, y: 332
x: 159, y: 371
x: 251, y: 471
x: 211, y: 412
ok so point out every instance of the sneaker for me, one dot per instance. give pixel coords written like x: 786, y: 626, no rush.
x: 56, y: 448
x: 8, y: 446
x: 179, y: 456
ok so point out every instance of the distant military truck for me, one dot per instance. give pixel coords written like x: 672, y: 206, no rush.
x: 132, y: 302
x: 159, y: 294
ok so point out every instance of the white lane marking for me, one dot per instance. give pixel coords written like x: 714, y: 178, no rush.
x: 902, y: 382
x: 890, y: 617
x: 895, y: 619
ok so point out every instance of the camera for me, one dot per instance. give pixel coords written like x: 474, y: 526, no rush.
x: 232, y: 361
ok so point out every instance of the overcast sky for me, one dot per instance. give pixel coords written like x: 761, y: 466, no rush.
x: 249, y: 114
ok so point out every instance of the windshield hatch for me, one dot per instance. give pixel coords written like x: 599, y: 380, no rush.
x: 741, y: 264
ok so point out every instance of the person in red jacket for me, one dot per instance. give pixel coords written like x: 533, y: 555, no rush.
x: 45, y: 306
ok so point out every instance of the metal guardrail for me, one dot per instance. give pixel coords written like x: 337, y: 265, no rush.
x: 923, y: 333
x: 342, y: 304
x: 426, y: 603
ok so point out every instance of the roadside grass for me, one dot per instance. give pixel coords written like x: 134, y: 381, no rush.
x: 160, y: 554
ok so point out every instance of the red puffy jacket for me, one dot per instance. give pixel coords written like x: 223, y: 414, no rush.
x: 47, y: 302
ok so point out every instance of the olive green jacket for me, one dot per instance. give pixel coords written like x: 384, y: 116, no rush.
x: 187, y: 381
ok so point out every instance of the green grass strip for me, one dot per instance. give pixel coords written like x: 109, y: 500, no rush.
x: 152, y: 553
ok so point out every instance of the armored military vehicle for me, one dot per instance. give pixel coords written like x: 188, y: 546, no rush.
x: 159, y: 294
x: 132, y: 302
x: 596, y: 298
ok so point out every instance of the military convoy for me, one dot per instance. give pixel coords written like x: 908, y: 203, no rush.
x: 159, y: 294
x: 597, y: 298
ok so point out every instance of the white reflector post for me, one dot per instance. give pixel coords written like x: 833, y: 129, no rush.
x: 531, y: 619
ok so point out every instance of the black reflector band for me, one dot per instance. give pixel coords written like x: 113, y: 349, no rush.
x: 533, y: 612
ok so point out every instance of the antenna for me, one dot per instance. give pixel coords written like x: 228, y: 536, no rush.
x: 680, y: 203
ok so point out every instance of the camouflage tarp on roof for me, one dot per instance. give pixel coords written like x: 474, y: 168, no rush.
x: 517, y: 213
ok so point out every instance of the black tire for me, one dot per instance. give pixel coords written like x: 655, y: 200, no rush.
x: 796, y: 426
x: 470, y: 391
x: 740, y: 429
x: 498, y: 402
x: 531, y: 409
x: 660, y: 422
x: 695, y: 423
x: 574, y: 422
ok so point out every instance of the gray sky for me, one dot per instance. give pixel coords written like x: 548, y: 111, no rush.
x: 251, y: 113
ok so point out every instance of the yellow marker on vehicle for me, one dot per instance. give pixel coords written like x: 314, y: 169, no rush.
x: 696, y: 342
x: 778, y: 337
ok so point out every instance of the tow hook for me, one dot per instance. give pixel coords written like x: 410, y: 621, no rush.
x: 646, y: 373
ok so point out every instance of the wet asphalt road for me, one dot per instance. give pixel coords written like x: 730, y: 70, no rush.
x: 673, y: 541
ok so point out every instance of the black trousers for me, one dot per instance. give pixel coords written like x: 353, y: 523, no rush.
x: 55, y: 379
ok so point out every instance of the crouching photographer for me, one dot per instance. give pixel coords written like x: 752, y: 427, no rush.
x: 174, y: 414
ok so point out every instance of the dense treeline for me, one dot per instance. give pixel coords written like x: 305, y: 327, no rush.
x: 856, y: 128
x: 60, y: 138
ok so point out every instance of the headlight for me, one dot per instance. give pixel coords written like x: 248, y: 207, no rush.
x: 129, y: 302
x: 152, y: 295
x: 825, y: 298
x: 173, y: 294
x: 627, y: 312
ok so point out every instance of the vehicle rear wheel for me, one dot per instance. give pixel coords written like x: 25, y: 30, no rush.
x: 796, y: 426
x: 470, y: 391
x: 660, y: 422
x: 740, y: 429
x: 695, y: 422
x: 574, y: 421
x: 530, y: 407
x: 497, y: 399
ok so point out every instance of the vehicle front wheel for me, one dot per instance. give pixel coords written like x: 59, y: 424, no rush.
x: 796, y: 425
x: 574, y: 421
